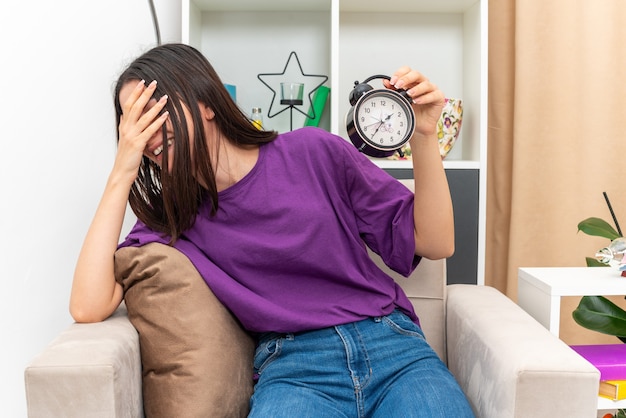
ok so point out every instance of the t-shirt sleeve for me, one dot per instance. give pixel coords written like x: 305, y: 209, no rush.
x: 141, y: 235
x: 383, y: 208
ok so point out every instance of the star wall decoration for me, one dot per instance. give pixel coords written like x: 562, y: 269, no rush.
x: 271, y: 80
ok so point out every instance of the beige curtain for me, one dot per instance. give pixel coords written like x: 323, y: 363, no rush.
x: 557, y: 137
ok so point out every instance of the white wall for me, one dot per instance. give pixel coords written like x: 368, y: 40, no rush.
x: 59, y: 60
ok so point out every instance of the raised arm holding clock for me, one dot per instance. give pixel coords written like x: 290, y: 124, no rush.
x: 381, y: 121
x: 434, y: 220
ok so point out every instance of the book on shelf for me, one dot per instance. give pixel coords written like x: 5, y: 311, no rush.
x: 320, y: 98
x: 613, y: 389
x: 609, y: 359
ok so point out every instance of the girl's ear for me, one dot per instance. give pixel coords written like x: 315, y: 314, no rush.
x: 206, y: 111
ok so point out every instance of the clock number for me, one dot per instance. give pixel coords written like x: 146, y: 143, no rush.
x: 383, y: 103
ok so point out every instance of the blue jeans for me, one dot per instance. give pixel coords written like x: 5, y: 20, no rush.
x: 377, y: 367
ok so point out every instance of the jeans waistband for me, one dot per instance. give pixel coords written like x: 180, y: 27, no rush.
x: 266, y: 336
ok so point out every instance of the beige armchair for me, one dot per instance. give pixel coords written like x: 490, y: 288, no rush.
x: 506, y: 362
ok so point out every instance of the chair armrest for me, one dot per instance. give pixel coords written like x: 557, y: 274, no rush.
x: 88, y: 370
x: 508, y: 364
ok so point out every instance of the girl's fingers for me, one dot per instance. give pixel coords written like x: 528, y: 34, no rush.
x: 139, y: 133
x: 138, y: 99
x: 425, y: 92
x: 399, y: 74
x: 141, y: 112
x: 155, y: 125
x: 418, y: 87
x: 427, y: 99
x: 132, y: 147
x: 405, y: 78
x: 152, y: 113
x: 128, y: 104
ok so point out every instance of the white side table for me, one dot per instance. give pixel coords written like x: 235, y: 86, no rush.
x: 540, y: 290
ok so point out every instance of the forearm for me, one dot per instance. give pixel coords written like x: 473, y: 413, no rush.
x: 433, y: 214
x: 95, y: 293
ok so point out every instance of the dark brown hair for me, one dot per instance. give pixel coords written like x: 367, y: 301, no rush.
x: 169, y: 202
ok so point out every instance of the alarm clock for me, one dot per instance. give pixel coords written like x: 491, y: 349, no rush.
x: 380, y: 121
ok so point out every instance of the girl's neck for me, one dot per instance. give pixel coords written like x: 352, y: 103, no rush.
x: 234, y: 164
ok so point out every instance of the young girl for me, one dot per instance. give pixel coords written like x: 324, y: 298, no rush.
x: 286, y: 219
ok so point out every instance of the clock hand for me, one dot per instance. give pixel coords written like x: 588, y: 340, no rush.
x: 383, y: 121
x: 377, y: 120
x: 380, y: 124
x: 388, y: 124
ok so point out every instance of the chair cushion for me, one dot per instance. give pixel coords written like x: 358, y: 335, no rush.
x: 196, y: 359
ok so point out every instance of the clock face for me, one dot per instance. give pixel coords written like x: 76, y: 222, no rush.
x: 384, y: 119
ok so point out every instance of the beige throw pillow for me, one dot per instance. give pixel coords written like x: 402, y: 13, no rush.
x: 196, y: 359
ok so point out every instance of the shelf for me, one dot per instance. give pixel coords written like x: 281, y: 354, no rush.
x: 407, y: 6
x: 448, y: 47
x: 443, y: 39
x: 607, y: 404
x: 262, y: 5
x: 241, y: 44
x: 406, y: 164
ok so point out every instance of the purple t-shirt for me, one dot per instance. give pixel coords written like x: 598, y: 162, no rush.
x: 286, y: 251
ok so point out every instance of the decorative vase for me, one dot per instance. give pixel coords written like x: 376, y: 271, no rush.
x: 449, y: 125
x: 448, y: 129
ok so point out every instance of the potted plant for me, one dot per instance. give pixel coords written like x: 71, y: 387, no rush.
x: 597, y: 313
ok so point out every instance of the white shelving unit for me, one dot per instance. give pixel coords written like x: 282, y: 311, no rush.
x: 350, y: 40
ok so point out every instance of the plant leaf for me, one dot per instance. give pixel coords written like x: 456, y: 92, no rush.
x: 592, y: 262
x: 598, y: 227
x: 599, y: 314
